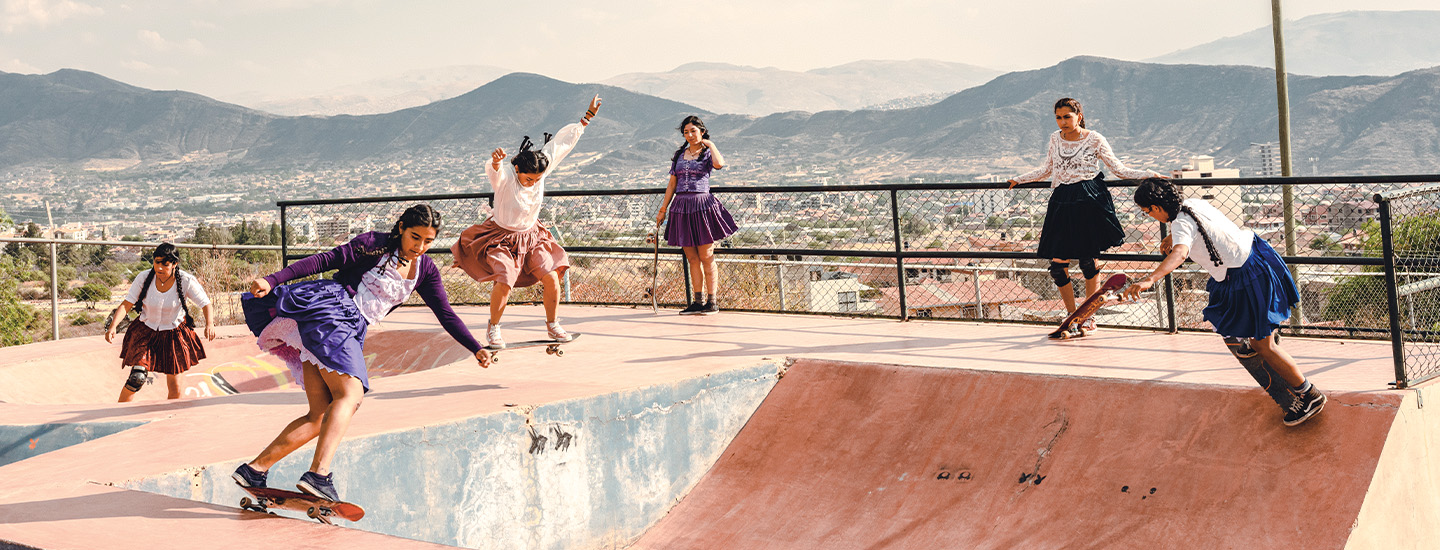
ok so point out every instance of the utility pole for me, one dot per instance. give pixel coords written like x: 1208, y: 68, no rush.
x: 1282, y: 101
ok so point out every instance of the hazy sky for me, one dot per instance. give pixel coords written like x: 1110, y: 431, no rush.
x: 290, y: 48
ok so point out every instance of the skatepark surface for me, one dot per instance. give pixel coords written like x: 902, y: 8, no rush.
x: 734, y: 431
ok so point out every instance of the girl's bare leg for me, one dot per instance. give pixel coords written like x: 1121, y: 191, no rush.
x: 301, y: 430
x: 1067, y: 292
x: 347, y: 391
x: 172, y: 383
x: 499, y: 295
x: 1279, y: 359
x: 551, y: 282
x: 707, y: 260
x: 697, y: 271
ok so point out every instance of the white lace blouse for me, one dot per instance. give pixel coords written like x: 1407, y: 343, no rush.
x: 517, y: 207
x: 380, y: 291
x: 1071, y: 161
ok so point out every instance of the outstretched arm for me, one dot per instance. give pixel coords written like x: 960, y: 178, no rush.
x: 1107, y: 156
x: 1039, y: 173
x: 1177, y: 256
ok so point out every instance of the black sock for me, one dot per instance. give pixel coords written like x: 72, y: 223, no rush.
x: 1303, y: 387
x: 699, y: 297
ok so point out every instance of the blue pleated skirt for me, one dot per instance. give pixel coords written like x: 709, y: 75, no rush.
x: 330, y: 326
x: 1255, y: 298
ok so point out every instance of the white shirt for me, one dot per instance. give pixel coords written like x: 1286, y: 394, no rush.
x: 1231, y: 242
x: 517, y: 207
x: 379, y: 292
x: 162, y: 310
x: 1071, y: 161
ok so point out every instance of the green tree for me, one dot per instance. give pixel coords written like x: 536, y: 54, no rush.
x: 92, y: 293
x: 1360, y: 300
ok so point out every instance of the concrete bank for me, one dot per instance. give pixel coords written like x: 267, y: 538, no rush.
x: 585, y: 473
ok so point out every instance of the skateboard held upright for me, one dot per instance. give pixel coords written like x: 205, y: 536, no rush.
x: 1070, y: 327
x: 1261, y: 371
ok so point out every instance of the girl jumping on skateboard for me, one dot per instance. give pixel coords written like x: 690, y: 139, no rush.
x: 318, y: 328
x: 1080, y: 220
x: 163, y: 338
x: 1251, y: 290
x: 698, y: 220
x: 513, y: 248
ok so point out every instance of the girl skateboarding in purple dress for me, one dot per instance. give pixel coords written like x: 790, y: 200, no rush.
x: 1251, y: 290
x: 513, y: 248
x: 1080, y: 220
x: 318, y: 328
x: 696, y: 218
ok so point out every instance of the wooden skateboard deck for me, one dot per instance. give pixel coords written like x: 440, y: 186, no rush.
x: 1070, y: 327
x: 316, y: 508
x: 552, y: 347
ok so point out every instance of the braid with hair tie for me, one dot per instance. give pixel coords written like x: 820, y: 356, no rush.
x: 526, y: 144
x: 180, y: 293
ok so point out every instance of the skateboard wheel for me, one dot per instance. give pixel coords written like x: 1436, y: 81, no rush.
x: 313, y: 513
x: 559, y: 352
x: 246, y: 503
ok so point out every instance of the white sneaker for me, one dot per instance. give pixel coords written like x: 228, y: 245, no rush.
x: 493, y: 338
x: 556, y: 332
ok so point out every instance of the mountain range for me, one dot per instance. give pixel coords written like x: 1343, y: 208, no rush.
x: 1355, y: 124
x: 1346, y: 43
x: 725, y: 88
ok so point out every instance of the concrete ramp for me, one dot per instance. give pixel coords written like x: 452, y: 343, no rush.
x: 855, y: 455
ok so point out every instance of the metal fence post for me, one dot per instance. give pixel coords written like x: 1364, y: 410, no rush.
x: 1397, y: 345
x: 899, y: 253
x: 780, y: 282
x: 284, y: 239
x: 54, y: 294
x: 1172, y: 326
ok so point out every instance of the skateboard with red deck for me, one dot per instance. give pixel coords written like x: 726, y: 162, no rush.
x: 1071, y: 326
x: 316, y: 508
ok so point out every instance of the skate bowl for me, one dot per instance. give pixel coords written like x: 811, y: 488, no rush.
x: 767, y: 431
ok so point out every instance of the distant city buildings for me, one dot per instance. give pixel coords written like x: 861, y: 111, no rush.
x: 1227, y: 198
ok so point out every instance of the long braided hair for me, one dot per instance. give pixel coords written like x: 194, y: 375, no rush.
x: 1073, y: 105
x: 420, y: 215
x: 1169, y: 197
x: 531, y: 162
x: 691, y: 120
x: 165, y: 252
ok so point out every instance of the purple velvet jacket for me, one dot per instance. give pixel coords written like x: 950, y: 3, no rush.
x: 350, y: 262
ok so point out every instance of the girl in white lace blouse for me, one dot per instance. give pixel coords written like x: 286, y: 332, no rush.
x: 1080, y: 219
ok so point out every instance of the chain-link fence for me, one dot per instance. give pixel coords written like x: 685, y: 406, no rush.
x: 93, y: 277
x: 1410, y: 221
x: 942, y: 251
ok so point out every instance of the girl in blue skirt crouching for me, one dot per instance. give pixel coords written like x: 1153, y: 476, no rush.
x: 1251, y: 290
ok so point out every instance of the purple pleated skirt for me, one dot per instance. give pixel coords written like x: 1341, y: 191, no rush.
x: 697, y: 219
x: 314, y: 321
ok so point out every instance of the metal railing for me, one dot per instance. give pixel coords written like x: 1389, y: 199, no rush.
x: 937, y: 251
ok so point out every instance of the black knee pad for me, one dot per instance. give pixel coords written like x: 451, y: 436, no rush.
x: 1088, y: 267
x: 1057, y: 272
x: 138, y: 378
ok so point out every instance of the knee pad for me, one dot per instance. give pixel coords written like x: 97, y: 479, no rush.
x: 138, y: 378
x: 1088, y: 267
x: 1057, y: 272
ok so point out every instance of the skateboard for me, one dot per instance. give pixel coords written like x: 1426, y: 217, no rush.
x: 1260, y: 371
x: 655, y: 271
x: 1070, y: 327
x: 552, y: 347
x: 316, y: 508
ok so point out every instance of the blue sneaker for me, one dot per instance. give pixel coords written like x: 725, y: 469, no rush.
x: 249, y: 477
x: 319, y: 486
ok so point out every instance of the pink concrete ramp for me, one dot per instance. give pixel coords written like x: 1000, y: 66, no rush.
x: 866, y: 456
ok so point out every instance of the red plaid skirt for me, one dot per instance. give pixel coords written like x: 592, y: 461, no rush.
x: 163, y: 351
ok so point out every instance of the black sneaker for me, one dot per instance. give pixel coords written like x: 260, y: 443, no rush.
x: 249, y: 477
x: 693, y: 309
x: 1306, y: 405
x: 320, y: 486
x: 709, y: 308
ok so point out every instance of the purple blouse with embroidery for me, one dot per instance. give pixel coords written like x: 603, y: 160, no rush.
x: 692, y: 176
